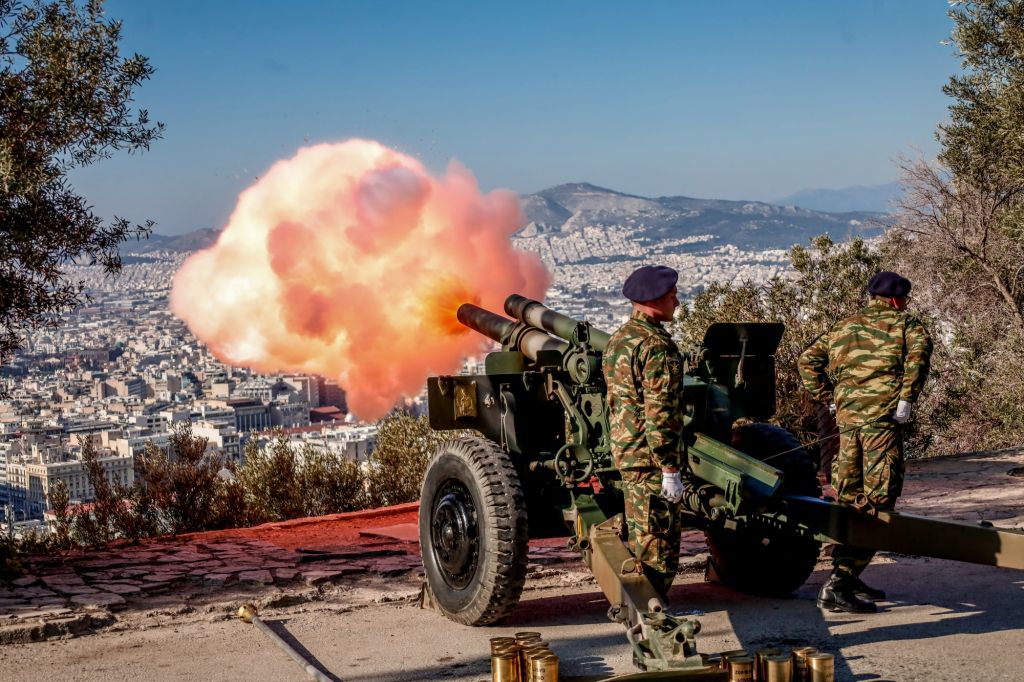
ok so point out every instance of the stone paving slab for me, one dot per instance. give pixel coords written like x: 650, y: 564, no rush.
x: 182, y: 569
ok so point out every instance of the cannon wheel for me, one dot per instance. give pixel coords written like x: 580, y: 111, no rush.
x: 760, y: 561
x: 473, y: 531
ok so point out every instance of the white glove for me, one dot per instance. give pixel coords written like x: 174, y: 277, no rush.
x: 903, y: 409
x: 832, y: 409
x: 671, y: 486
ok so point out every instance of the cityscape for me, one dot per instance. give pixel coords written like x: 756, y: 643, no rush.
x: 124, y: 371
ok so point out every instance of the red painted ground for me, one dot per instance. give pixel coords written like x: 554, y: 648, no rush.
x: 323, y: 532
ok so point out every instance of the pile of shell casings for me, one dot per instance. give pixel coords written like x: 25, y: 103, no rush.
x: 800, y: 664
x: 523, y: 658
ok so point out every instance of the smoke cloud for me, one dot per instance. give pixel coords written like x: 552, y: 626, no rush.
x: 349, y: 260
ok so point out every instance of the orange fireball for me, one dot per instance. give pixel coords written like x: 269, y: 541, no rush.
x: 350, y: 260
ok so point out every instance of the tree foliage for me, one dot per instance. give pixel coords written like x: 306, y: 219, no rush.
x: 279, y: 483
x: 181, y: 487
x: 960, y: 234
x: 399, y: 462
x: 66, y: 101
x: 982, y: 143
x: 270, y: 478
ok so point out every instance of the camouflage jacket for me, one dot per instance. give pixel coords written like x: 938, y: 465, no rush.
x: 644, y: 373
x: 867, y: 362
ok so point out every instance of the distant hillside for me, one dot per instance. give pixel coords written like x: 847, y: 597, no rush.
x: 190, y: 241
x: 877, y: 198
x: 565, y: 208
x: 748, y: 224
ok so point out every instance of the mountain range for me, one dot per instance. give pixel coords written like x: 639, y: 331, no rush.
x: 747, y: 224
x: 569, y: 207
x: 877, y: 198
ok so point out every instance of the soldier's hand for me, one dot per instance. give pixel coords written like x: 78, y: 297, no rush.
x: 832, y: 409
x: 903, y: 410
x: 671, y: 486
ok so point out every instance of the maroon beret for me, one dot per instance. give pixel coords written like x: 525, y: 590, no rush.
x: 888, y: 284
x: 649, y: 283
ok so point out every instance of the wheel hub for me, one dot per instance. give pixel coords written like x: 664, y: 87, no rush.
x: 454, y: 535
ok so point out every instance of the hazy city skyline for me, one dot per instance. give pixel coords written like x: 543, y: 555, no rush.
x: 742, y: 101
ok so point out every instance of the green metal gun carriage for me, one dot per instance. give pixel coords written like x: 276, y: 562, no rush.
x: 542, y: 467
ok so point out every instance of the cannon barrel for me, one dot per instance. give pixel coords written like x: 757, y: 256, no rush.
x: 494, y: 327
x: 520, y: 336
x: 536, y: 314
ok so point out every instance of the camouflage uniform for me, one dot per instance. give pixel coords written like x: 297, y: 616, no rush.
x: 865, y: 364
x: 644, y: 373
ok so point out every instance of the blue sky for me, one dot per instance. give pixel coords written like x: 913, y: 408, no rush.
x: 739, y: 100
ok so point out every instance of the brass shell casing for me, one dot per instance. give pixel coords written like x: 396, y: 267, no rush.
x: 822, y: 667
x: 544, y: 668
x: 505, y: 667
x: 498, y: 642
x: 778, y: 669
x: 512, y: 650
x: 527, y: 655
x: 801, y: 673
x: 726, y: 655
x: 741, y: 669
x: 760, y: 670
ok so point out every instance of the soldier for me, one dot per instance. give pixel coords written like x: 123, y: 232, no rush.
x: 870, y: 368
x: 644, y: 373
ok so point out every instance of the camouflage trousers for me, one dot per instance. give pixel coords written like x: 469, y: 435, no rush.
x: 654, y: 526
x: 869, y: 461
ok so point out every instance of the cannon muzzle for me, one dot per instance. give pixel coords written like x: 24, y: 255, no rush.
x: 494, y: 327
x: 520, y: 336
x: 536, y: 314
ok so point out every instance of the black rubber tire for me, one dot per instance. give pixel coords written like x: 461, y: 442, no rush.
x: 474, y: 537
x: 764, y: 561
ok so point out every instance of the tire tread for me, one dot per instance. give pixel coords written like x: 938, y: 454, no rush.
x: 504, y: 513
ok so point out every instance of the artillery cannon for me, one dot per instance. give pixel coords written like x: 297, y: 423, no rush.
x: 543, y: 468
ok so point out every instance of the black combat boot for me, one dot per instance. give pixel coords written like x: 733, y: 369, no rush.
x: 838, y: 594
x: 865, y: 591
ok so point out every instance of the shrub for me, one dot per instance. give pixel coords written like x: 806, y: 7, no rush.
x: 186, y: 488
x: 330, y: 483
x: 397, y: 466
x: 111, y: 512
x: 60, y: 532
x: 270, y: 479
x: 182, y: 486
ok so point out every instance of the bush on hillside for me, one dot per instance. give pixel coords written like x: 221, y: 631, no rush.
x: 188, y: 488
x: 181, y: 488
x: 399, y: 462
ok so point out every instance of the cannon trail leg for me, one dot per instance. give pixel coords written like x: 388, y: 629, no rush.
x: 909, y: 533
